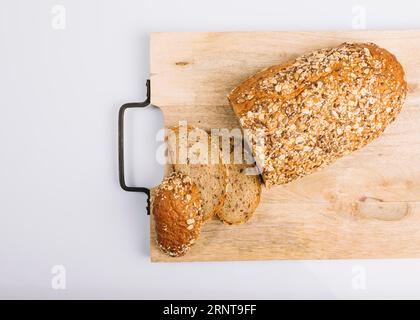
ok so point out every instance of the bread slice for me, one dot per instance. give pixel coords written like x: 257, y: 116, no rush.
x: 176, y: 209
x: 201, y: 161
x: 243, y: 190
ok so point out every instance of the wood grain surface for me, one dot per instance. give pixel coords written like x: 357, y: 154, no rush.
x: 365, y: 205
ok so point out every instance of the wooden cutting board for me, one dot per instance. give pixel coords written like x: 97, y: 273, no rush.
x: 366, y: 205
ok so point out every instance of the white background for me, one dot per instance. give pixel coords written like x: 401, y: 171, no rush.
x: 60, y: 203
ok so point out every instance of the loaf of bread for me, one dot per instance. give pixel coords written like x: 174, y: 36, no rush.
x: 243, y: 190
x: 305, y: 114
x: 176, y: 209
x: 190, y: 152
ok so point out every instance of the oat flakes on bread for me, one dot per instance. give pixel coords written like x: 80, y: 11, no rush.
x: 319, y: 107
x: 176, y: 209
x: 243, y: 190
x: 192, y: 152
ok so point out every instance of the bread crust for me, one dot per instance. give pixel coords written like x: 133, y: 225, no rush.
x: 321, y: 106
x: 176, y: 209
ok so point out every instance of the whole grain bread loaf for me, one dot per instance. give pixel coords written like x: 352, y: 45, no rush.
x: 176, y: 209
x: 305, y: 114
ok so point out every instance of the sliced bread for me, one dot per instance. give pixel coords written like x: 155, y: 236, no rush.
x: 190, y: 152
x: 243, y: 190
x: 176, y: 209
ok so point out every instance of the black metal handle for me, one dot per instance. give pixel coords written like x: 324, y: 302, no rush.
x: 121, y: 145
